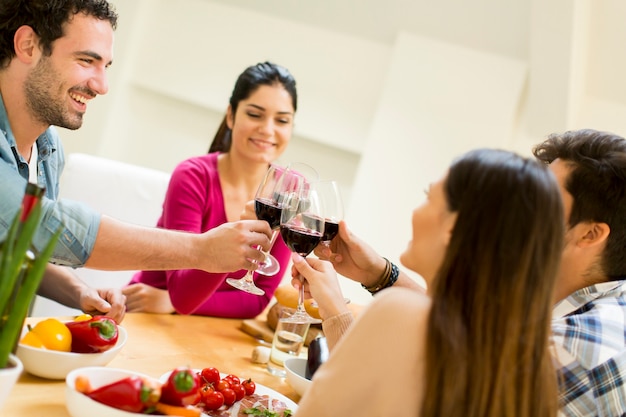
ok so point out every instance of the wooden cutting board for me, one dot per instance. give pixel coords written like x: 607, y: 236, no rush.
x: 258, y: 329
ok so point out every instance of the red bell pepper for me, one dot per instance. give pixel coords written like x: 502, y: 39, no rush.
x: 93, y: 336
x: 133, y: 393
x: 181, y: 388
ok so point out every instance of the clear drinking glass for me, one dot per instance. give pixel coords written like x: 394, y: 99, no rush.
x: 289, y: 338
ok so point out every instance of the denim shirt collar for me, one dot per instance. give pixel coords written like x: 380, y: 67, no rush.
x: 49, y: 155
x: 45, y: 145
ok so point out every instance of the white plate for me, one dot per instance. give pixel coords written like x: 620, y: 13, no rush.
x: 260, y: 390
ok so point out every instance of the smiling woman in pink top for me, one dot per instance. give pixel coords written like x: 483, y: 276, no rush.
x: 213, y: 189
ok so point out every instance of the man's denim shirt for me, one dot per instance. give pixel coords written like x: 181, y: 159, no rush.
x: 79, y: 222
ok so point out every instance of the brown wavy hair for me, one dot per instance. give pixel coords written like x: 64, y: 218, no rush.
x: 488, y: 331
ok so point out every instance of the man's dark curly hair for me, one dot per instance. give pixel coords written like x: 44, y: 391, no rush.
x: 597, y: 183
x: 47, y: 18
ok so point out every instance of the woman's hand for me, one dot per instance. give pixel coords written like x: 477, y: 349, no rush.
x: 321, y: 283
x: 352, y: 257
x: 148, y: 299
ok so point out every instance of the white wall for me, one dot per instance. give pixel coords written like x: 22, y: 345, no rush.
x: 389, y: 91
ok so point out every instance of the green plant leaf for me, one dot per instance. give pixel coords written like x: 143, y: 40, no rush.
x: 20, y: 277
x: 6, y: 255
x: 33, y: 275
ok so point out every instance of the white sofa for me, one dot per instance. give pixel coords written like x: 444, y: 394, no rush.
x: 124, y: 191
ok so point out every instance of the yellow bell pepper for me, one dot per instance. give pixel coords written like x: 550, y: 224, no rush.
x: 49, y: 334
x: 83, y: 317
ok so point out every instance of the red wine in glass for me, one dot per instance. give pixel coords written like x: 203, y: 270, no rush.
x: 330, y: 195
x: 331, y: 229
x: 268, y: 210
x: 299, y: 239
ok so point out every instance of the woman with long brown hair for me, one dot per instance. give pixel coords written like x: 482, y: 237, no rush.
x: 487, y: 241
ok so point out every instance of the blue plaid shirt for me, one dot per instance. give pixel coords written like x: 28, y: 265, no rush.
x: 589, y: 330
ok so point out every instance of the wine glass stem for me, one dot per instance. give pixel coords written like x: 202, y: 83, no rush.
x: 275, y: 234
x: 249, y: 276
x: 300, y: 307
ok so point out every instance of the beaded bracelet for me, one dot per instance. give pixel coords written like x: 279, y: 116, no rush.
x: 387, y: 279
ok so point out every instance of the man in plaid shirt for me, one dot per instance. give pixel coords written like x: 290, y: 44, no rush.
x: 589, y: 324
x: 589, y: 331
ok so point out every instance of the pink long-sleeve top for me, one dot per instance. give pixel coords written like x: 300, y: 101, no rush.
x: 195, y: 203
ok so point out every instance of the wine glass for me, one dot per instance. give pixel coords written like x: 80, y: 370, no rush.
x: 302, y: 228
x: 267, y: 208
x: 268, y: 201
x: 329, y: 194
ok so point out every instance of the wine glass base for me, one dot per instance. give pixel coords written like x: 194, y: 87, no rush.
x: 245, y: 285
x: 276, y: 370
x: 303, y: 317
x: 269, y: 266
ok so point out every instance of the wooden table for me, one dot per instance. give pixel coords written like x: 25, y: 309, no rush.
x: 157, y: 343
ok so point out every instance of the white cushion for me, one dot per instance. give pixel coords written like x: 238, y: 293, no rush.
x: 124, y: 191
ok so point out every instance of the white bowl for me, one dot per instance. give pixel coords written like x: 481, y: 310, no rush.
x: 296, y: 368
x: 80, y: 405
x: 54, y: 364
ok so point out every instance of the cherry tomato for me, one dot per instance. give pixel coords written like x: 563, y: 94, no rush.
x: 214, y: 400
x: 222, y: 385
x: 210, y: 376
x: 240, y: 391
x: 232, y: 379
x: 206, y: 391
x: 249, y: 386
x: 229, y: 396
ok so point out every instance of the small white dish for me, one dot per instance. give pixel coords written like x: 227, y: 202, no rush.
x: 54, y: 364
x: 296, y: 368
